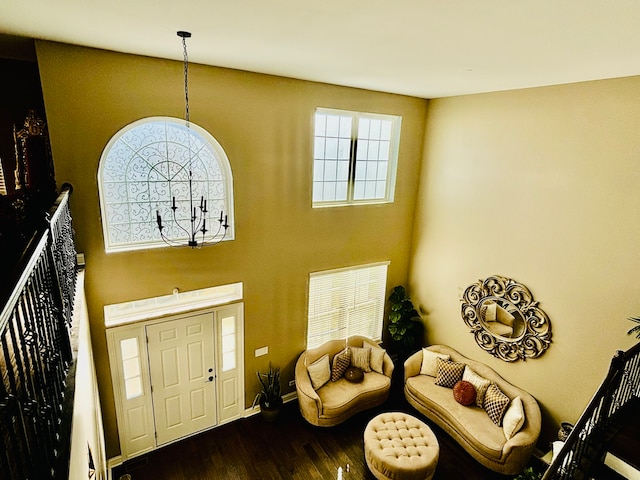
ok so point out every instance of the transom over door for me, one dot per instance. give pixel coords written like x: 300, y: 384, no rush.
x: 182, y: 369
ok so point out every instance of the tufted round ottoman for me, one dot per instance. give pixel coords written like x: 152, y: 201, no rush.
x: 398, y: 446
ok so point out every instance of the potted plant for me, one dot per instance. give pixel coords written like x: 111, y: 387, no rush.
x: 269, y: 397
x: 404, y: 325
x: 529, y: 474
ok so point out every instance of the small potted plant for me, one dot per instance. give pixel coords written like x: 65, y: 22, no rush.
x: 529, y: 474
x: 404, y: 326
x: 269, y: 397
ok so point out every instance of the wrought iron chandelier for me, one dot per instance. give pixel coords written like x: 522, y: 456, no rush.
x: 196, y: 230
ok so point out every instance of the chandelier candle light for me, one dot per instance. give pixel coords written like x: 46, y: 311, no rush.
x: 197, y: 213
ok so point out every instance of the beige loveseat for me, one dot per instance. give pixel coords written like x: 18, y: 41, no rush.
x: 336, y: 401
x: 470, y: 425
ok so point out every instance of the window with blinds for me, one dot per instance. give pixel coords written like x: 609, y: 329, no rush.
x: 346, y: 302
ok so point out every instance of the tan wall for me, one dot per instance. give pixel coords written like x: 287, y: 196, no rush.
x: 543, y: 186
x: 264, y: 123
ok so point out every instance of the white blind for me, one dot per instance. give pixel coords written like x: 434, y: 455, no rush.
x: 346, y: 302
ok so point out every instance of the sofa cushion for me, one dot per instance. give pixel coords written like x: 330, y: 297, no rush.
x: 477, y: 381
x: 341, y: 396
x: 360, y: 358
x: 495, y: 403
x: 513, y: 418
x: 449, y: 373
x: 464, y: 393
x: 376, y: 359
x: 340, y: 363
x: 319, y: 372
x: 470, y: 422
x: 429, y: 366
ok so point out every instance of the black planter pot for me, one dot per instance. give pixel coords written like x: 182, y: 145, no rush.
x: 270, y: 414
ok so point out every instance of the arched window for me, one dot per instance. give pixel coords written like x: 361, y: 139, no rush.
x: 145, y: 166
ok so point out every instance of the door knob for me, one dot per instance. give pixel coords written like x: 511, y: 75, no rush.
x: 211, y: 378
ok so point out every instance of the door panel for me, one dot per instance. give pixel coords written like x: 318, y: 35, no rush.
x: 181, y: 352
x: 230, y: 386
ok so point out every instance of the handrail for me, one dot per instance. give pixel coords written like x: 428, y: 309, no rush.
x: 35, y: 353
x: 586, y: 446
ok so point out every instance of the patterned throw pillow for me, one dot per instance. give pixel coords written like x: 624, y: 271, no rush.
x: 449, y: 373
x: 495, y: 403
x: 341, y: 362
x: 376, y: 360
x: 464, y: 393
x: 319, y: 372
x: 360, y: 358
x: 477, y: 381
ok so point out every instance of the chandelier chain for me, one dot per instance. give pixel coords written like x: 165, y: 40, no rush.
x: 186, y: 80
x: 197, y: 215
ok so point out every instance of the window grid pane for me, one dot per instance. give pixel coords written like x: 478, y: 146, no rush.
x: 131, y: 367
x: 372, y: 159
x: 331, y: 153
x: 346, y: 302
x: 228, y: 334
x: 372, y: 162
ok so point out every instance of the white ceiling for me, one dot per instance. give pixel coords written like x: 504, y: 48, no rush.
x: 425, y: 48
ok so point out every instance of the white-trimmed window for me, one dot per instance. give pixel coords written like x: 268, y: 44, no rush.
x: 144, y: 166
x: 346, y: 302
x: 355, y: 157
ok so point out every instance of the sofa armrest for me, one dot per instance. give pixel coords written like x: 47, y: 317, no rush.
x: 412, y: 365
x: 387, y: 365
x: 308, y: 399
x: 530, y: 431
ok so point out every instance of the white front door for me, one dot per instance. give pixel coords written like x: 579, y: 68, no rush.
x: 182, y: 369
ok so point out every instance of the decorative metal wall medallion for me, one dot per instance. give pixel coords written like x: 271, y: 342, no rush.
x: 505, y: 320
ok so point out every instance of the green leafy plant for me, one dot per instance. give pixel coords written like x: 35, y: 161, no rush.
x: 529, y: 474
x: 270, y: 396
x: 635, y: 330
x: 404, y: 321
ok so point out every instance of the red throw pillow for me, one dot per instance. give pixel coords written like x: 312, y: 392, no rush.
x: 464, y: 392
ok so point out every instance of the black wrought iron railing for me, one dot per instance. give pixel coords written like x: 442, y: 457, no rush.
x: 36, y: 353
x: 584, y: 451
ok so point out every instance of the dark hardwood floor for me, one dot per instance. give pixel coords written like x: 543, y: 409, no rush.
x: 289, y: 448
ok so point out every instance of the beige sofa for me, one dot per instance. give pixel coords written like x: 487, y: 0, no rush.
x: 335, y: 402
x: 470, y: 425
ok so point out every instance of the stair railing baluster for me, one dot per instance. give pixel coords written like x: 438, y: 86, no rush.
x: 36, y: 354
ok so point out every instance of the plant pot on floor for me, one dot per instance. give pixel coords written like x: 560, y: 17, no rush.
x: 269, y: 398
x: 405, y: 325
x: 270, y: 414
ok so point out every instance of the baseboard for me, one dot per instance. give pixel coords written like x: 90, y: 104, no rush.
x: 289, y: 397
x: 111, y: 464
